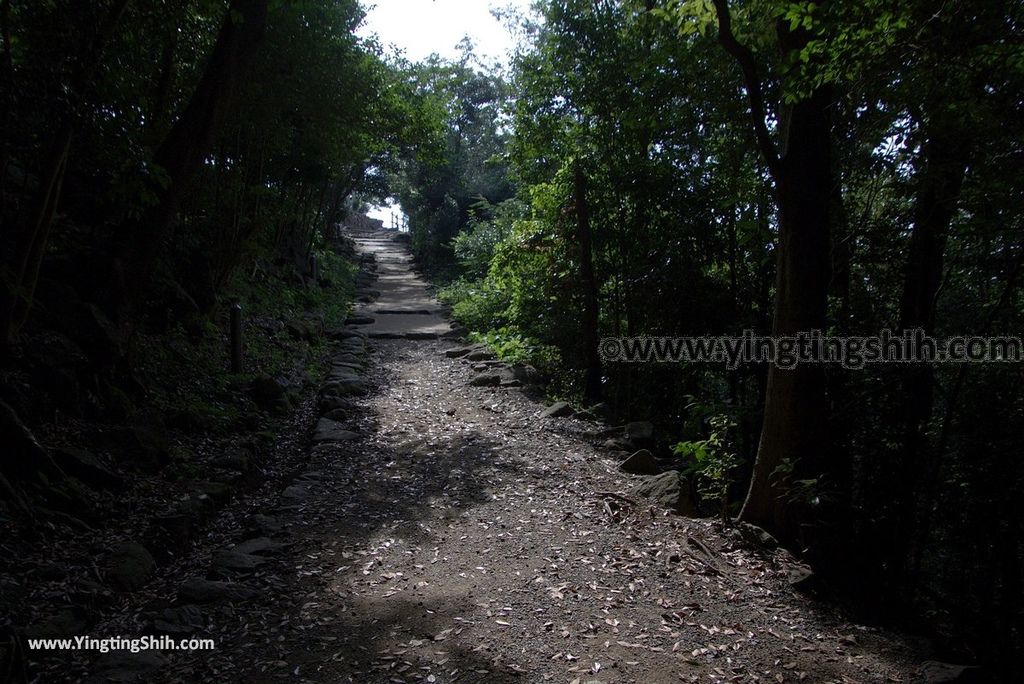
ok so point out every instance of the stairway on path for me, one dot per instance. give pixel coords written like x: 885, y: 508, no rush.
x: 404, y: 308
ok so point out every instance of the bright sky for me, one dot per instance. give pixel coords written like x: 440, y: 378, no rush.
x: 422, y: 27
x: 419, y: 28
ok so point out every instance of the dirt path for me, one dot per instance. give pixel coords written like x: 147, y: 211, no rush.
x: 402, y: 306
x: 461, y: 537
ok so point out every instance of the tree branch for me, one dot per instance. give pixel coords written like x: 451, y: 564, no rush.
x: 745, y: 58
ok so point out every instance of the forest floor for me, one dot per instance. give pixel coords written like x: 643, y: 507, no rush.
x: 465, y: 539
x: 454, y: 534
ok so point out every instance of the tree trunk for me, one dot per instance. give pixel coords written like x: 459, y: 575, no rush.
x: 945, y: 158
x: 794, y: 436
x: 183, y: 151
x: 945, y: 164
x: 159, y: 110
x: 590, y: 312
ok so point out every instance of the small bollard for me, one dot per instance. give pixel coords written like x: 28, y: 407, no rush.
x: 314, y: 270
x: 236, y: 338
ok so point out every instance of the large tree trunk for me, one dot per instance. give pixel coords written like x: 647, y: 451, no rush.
x: 590, y: 313
x: 794, y: 435
x: 183, y: 151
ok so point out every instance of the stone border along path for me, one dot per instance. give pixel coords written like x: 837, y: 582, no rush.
x: 451, y: 529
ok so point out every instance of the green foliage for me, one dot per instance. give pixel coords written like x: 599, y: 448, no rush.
x: 189, y: 372
x: 487, y: 227
x: 475, y: 303
x: 713, y: 460
x: 513, y: 347
x: 445, y: 193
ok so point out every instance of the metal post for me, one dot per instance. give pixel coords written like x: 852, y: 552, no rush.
x: 236, y: 338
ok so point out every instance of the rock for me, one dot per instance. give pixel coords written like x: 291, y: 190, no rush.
x: 126, y: 667
x: 559, y: 409
x: 359, y: 319
x: 640, y: 463
x: 348, y: 387
x: 406, y: 335
x: 129, y: 566
x: 758, y: 536
x: 598, y: 412
x: 66, y: 623
x: 261, y: 546
x: 345, y: 333
x: 337, y: 415
x: 261, y: 525
x: 802, y: 578
x: 355, y: 344
x: 355, y: 369
x: 640, y: 433
x: 457, y: 352
x: 935, y: 672
x: 182, y: 620
x: 618, y: 444
x: 408, y: 312
x: 669, y: 490
x: 457, y: 332
x: 294, y: 494
x: 308, y: 327
x: 230, y: 562
x: 606, y: 432
x: 328, y: 430
x: 343, y: 375
x: 480, y: 355
x: 510, y: 384
x: 486, y: 380
x: 348, y: 363
x: 235, y: 459
x: 272, y: 394
x: 301, y: 329
x: 330, y: 403
x: 176, y: 529
x: 87, y: 468
x: 527, y: 375
x: 204, y: 591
